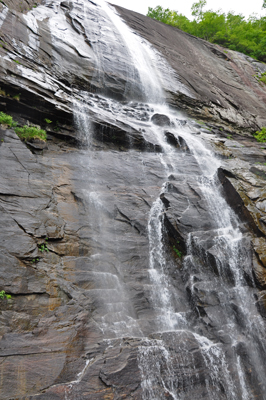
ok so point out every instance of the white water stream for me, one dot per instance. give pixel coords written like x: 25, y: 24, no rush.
x: 156, y: 362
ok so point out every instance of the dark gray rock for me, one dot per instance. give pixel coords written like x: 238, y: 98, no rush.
x: 160, y: 120
x: 178, y: 142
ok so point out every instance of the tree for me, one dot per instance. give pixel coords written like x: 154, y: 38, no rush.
x: 161, y: 14
x: 196, y: 8
x: 229, y: 30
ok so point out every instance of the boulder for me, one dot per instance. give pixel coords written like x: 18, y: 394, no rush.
x: 161, y: 120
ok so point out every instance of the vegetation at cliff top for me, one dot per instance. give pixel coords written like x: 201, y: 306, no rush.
x: 228, y: 30
x: 25, y: 133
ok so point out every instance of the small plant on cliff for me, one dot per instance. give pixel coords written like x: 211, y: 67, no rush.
x: 30, y: 132
x: 178, y: 253
x: 261, y: 135
x: 263, y: 78
x: 47, y: 120
x: 17, y: 97
x: 3, y: 295
x: 43, y: 247
x: 6, y: 119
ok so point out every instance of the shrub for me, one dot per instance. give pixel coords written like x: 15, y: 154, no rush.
x: 30, y: 132
x: 261, y: 135
x: 25, y: 133
x: 6, y: 119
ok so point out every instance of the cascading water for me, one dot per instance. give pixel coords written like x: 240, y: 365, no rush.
x: 149, y: 79
x: 178, y: 353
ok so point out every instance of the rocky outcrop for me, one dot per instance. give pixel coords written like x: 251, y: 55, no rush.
x: 76, y: 212
x: 223, y: 84
x: 23, y: 6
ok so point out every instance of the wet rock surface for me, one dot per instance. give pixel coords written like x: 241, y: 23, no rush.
x: 75, y: 212
x: 160, y: 120
x: 223, y: 88
x: 222, y: 84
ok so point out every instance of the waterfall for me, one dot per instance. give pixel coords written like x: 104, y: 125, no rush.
x: 116, y: 317
x: 140, y: 55
x: 177, y: 354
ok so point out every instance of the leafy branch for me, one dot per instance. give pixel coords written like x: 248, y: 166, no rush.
x: 3, y: 295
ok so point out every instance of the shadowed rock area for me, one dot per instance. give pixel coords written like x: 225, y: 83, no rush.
x: 114, y: 232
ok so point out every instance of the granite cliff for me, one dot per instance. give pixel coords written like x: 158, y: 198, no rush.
x: 126, y: 281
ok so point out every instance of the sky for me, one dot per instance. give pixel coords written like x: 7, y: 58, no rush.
x: 238, y: 6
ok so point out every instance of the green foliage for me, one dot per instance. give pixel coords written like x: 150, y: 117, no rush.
x: 261, y: 135
x: 3, y: 295
x: 17, y: 97
x: 263, y: 78
x: 6, y: 119
x: 197, y: 8
x: 16, y: 61
x: 26, y: 132
x: 43, y: 247
x: 48, y: 121
x: 57, y: 128
x: 159, y: 13
x: 228, y: 30
x: 178, y: 253
x: 30, y: 132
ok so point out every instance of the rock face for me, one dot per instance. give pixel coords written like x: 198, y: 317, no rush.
x: 135, y: 270
x: 223, y: 84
